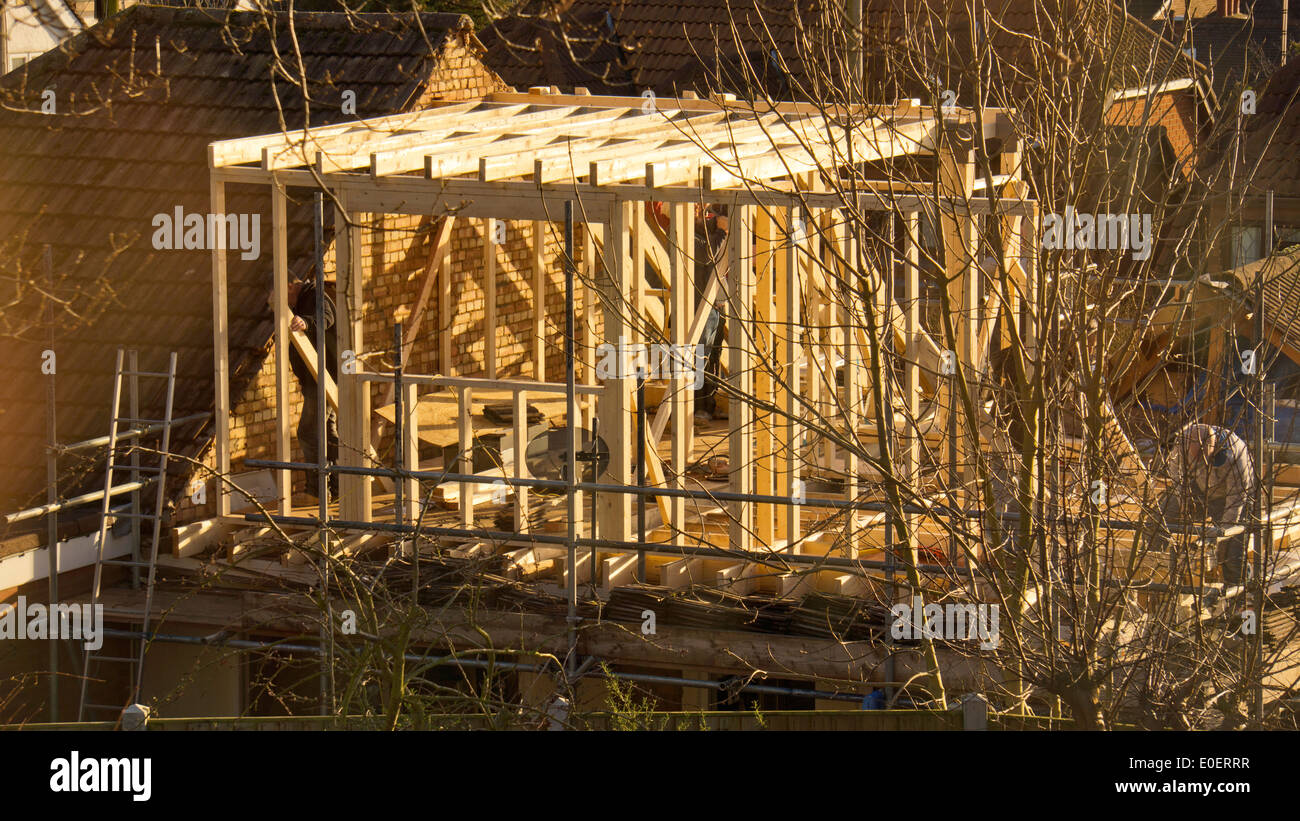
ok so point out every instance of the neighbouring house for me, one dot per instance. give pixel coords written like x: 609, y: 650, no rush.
x: 137, y: 101
x: 29, y: 28
x: 1241, y: 42
x: 156, y: 85
x: 1223, y: 226
x: 1219, y: 248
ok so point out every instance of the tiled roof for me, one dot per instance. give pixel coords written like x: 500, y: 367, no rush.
x: 1281, y: 275
x: 1273, y: 136
x: 139, y: 97
x: 626, y: 46
x: 622, y: 46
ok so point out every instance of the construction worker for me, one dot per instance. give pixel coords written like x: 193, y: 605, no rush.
x: 302, y: 303
x: 710, y: 239
x: 1210, y: 475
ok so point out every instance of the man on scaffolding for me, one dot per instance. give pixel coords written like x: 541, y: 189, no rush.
x: 1211, y: 475
x: 302, y: 303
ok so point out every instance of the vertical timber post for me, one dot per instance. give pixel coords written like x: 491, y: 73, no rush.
x: 614, y: 510
x: 220, y: 354
x: 280, y: 274
x: 740, y: 332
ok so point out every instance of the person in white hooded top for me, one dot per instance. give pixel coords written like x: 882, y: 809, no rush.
x: 1211, y: 475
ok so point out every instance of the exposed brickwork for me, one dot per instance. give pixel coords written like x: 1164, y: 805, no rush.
x: 1176, y: 112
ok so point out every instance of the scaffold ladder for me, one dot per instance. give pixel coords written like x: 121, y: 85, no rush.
x: 93, y: 661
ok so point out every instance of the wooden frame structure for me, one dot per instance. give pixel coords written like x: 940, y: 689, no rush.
x: 515, y: 156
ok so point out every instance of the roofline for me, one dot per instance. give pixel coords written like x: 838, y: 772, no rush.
x: 1160, y: 88
x: 1198, y: 67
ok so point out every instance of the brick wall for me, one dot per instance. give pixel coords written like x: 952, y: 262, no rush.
x: 1176, y: 112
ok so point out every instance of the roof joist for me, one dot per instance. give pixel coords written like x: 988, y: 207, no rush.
x: 503, y: 198
x: 582, y: 140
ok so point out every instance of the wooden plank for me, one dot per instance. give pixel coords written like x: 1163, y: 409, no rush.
x: 682, y: 573
x: 788, y: 311
x: 539, y: 300
x: 410, y: 445
x: 590, y: 299
x: 1010, y: 164
x: 567, y: 151
x: 846, y: 306
x: 221, y: 354
x: 784, y: 382
x: 521, y: 136
x: 250, y: 149
x: 682, y: 278
x: 525, y: 199
x: 280, y: 274
x: 586, y: 314
x: 196, y: 537
x: 307, y: 350
x: 764, y: 275
x: 615, y: 407
x: 636, y: 240
x: 399, y: 152
x: 962, y: 271
x: 490, y: 297
x: 354, y: 394
x: 740, y: 375
x: 435, y: 269
x: 439, y: 254
x: 439, y: 413
x: 465, y: 421
x: 891, y: 110
x: 664, y: 414
x: 564, y: 147
x: 617, y: 571
x: 675, y: 160
x: 445, y: 329
x: 520, y: 420
x: 587, y: 283
x: 910, y: 437
x: 740, y: 578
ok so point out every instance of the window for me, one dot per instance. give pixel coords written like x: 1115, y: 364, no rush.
x: 1246, y: 244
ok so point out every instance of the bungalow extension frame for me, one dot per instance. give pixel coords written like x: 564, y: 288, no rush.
x: 523, y: 157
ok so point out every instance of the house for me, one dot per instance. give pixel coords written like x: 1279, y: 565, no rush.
x: 1224, y: 223
x: 771, y: 548
x: 137, y: 101
x: 32, y: 27
x: 166, y: 300
x: 29, y: 28
x: 1241, y: 42
x: 73, y: 186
